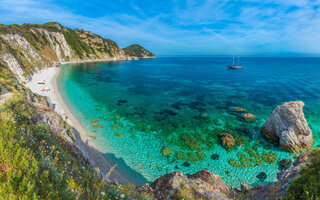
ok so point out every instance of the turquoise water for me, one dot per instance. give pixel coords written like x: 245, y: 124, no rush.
x: 185, y: 103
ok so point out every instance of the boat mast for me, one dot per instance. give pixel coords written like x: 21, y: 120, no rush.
x: 238, y: 60
x: 233, y: 60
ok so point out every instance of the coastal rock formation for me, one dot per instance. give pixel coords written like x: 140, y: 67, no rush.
x: 288, y: 126
x: 30, y: 47
x: 137, y: 51
x: 227, y: 140
x: 201, y: 185
x: 56, y: 124
x: 277, y: 190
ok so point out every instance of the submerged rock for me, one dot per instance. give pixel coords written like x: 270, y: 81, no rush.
x: 180, y: 155
x: 190, y: 142
x: 227, y: 140
x: 169, y: 112
x: 186, y: 164
x: 99, y: 126
x: 205, y: 115
x: 249, y: 117
x: 166, y: 151
x: 92, y: 137
x: 262, y: 176
x: 215, y: 156
x: 119, y: 134
x: 178, y: 105
x: 197, y: 105
x: 288, y: 126
x: 285, y: 163
x: 120, y: 102
x: 94, y: 121
x: 119, y: 123
x: 196, y: 156
x: 238, y: 109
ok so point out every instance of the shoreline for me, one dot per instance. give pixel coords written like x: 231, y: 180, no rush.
x: 85, y: 143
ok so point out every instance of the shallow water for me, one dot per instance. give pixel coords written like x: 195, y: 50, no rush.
x: 185, y: 103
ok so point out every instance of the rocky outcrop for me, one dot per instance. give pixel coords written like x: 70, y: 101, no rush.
x: 137, y: 51
x: 288, y: 126
x: 47, y: 115
x: 30, y: 47
x: 277, y: 190
x: 201, y: 185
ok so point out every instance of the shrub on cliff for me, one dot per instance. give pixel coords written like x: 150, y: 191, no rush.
x: 307, y: 185
x: 36, y: 164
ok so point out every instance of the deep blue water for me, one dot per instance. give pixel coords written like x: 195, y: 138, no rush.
x: 185, y: 103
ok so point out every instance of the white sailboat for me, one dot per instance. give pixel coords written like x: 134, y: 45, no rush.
x: 235, y: 66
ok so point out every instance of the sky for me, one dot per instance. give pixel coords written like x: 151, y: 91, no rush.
x: 185, y: 28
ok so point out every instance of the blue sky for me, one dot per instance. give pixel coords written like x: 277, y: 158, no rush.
x: 186, y: 28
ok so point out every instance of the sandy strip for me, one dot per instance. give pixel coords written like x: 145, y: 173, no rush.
x: 96, y: 157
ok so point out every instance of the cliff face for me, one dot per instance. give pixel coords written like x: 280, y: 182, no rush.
x: 29, y: 47
x: 138, y: 51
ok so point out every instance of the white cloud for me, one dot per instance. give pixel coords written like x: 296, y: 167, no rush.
x: 222, y: 26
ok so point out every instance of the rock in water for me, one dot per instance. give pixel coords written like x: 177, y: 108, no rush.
x: 249, y: 117
x: 227, y: 140
x: 238, y: 109
x: 288, y: 126
x: 285, y: 163
x: 262, y: 176
x: 215, y: 156
x: 186, y: 164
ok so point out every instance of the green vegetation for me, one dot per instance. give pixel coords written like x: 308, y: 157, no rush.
x: 252, y: 158
x: 84, y: 44
x: 307, y: 185
x: 136, y: 50
x: 36, y: 164
x: 187, y: 193
x: 74, y: 40
x: 269, y: 157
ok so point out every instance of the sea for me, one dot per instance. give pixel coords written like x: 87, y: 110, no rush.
x: 157, y: 116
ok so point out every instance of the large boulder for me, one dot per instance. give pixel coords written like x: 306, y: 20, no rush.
x: 201, y: 185
x: 288, y: 126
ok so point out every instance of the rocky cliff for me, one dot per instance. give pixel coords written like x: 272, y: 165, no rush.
x: 137, y: 51
x: 29, y: 47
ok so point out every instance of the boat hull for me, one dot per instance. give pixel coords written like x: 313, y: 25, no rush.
x: 235, y: 67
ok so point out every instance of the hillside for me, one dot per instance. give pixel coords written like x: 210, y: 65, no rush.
x: 27, y: 48
x: 138, y: 51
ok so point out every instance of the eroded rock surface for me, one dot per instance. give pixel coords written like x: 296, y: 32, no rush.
x: 277, y: 190
x: 288, y: 126
x: 201, y: 185
x: 227, y: 140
